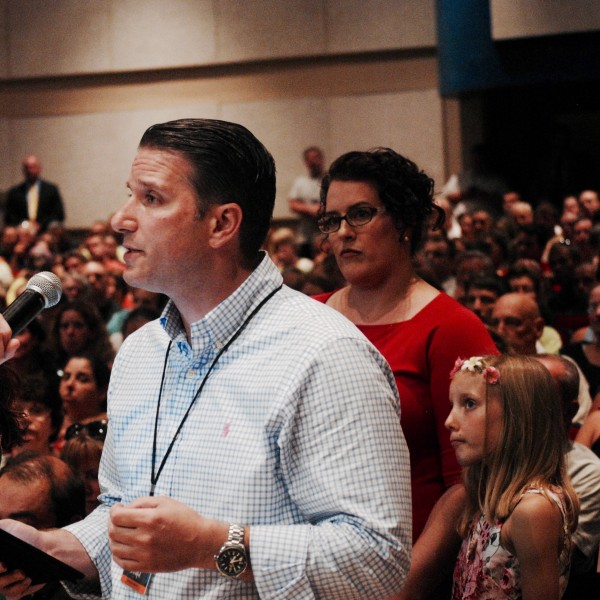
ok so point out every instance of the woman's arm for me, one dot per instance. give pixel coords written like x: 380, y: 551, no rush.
x: 434, y: 553
x: 533, y: 533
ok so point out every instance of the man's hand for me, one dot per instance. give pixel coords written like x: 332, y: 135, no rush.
x: 158, y: 534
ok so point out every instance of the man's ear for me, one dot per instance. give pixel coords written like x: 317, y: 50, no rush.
x: 539, y: 327
x: 225, y: 220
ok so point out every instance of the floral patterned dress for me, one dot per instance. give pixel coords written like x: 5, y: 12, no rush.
x: 485, y: 570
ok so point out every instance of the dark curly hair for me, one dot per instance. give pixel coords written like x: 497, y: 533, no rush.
x: 405, y: 190
x: 12, y: 425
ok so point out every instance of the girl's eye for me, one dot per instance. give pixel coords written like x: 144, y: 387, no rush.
x: 470, y: 403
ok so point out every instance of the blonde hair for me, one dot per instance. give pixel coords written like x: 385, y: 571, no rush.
x: 531, y: 449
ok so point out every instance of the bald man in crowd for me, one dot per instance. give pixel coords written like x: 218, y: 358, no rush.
x: 34, y: 200
x: 516, y: 318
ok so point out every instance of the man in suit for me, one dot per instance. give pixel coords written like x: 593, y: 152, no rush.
x: 33, y: 200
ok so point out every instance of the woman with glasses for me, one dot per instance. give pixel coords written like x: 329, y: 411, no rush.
x: 40, y: 408
x: 83, y: 387
x: 376, y: 208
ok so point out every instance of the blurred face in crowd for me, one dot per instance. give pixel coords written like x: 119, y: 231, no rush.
x: 95, y: 273
x: 32, y: 168
x: 314, y: 162
x: 481, y: 301
x: 581, y: 232
x: 585, y: 277
x: 79, y: 391
x: 26, y: 501
x: 73, y: 331
x: 482, y: 222
x: 594, y: 310
x: 438, y: 257
x: 523, y: 284
x: 516, y: 318
x: 589, y: 201
x: 571, y: 205
x: 39, y: 426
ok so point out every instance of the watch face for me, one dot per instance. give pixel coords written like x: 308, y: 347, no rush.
x: 232, y: 562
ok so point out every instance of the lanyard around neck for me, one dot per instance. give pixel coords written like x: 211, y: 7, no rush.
x: 155, y: 475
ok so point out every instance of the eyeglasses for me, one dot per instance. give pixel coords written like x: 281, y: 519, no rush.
x: 95, y: 429
x: 357, y: 216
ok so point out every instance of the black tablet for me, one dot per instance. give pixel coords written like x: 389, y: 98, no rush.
x: 36, y: 564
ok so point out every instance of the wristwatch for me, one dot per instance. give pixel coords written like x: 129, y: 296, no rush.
x: 232, y: 559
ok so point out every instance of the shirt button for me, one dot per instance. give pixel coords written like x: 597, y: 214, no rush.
x: 218, y: 345
x: 191, y: 374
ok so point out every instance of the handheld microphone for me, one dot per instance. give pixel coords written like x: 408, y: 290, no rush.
x: 43, y: 291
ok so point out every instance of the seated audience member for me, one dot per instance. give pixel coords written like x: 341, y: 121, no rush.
x: 583, y: 469
x: 43, y: 491
x: 132, y: 321
x: 79, y: 328
x: 589, y: 432
x: 587, y: 354
x: 83, y: 389
x: 481, y: 294
x: 582, y: 229
x: 516, y: 317
x: 82, y: 452
x: 438, y: 252
x: 469, y: 263
x: 74, y: 261
x: 12, y: 426
x: 525, y: 276
x: 589, y: 202
x: 522, y: 213
x: 563, y: 298
x: 529, y: 242
x: 97, y: 276
x: 141, y: 299
x: 482, y: 223
x: 32, y: 357
x: 40, y: 490
x: 40, y: 405
x: 283, y: 249
x: 75, y: 287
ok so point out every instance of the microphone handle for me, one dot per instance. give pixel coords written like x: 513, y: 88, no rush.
x: 23, y: 310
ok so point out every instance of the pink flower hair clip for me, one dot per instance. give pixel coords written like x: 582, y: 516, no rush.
x: 476, y: 364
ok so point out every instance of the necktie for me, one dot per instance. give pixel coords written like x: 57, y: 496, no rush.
x: 32, y: 202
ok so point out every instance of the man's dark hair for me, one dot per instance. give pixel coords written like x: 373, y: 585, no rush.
x: 228, y: 165
x: 404, y: 190
x: 67, y: 491
x: 491, y: 283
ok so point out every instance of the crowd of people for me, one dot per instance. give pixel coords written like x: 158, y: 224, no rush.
x: 489, y: 324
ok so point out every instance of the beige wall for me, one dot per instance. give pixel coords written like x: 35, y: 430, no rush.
x: 84, y: 78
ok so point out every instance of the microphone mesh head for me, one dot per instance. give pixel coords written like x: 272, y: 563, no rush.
x: 48, y: 285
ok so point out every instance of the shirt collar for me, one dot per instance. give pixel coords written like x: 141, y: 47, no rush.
x: 224, y: 320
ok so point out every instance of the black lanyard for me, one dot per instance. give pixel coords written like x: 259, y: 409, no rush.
x: 154, y: 477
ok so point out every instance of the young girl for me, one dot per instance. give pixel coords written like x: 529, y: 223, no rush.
x: 520, y: 510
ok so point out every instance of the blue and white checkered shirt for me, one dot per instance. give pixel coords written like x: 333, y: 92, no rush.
x: 295, y: 434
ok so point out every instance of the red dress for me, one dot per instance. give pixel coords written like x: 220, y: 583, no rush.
x: 421, y: 353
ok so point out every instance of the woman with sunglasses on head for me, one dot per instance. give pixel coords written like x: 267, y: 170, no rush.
x: 83, y: 388
x: 376, y: 208
x: 82, y: 452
